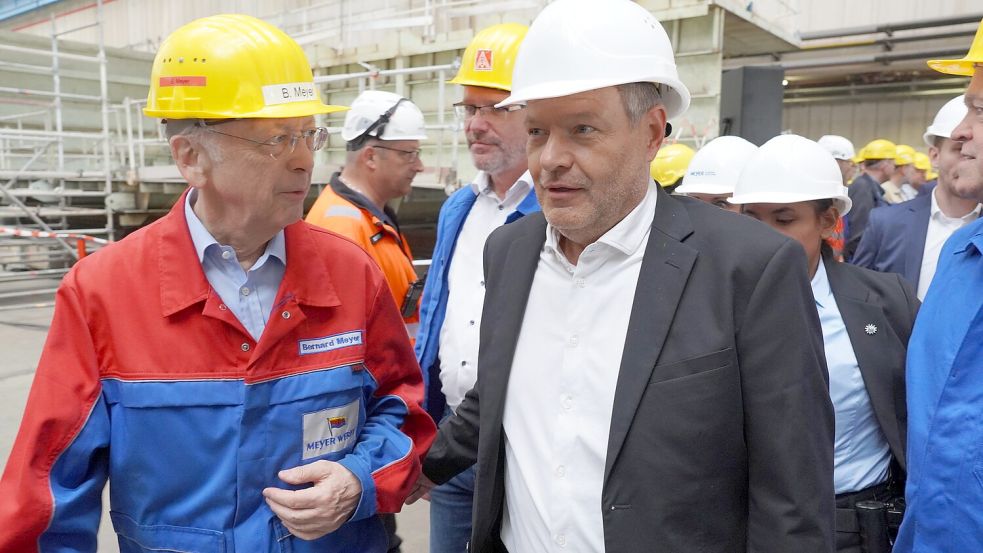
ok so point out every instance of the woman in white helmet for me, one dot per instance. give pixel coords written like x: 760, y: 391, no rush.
x: 794, y: 185
x: 712, y: 174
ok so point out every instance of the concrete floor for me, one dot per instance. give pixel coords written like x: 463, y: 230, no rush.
x: 22, y: 335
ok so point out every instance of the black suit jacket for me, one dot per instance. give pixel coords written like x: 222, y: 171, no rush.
x: 888, y: 302
x: 722, y: 431
x: 866, y: 194
x: 894, y: 241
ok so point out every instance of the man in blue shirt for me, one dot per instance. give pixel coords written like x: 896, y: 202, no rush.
x: 945, y: 366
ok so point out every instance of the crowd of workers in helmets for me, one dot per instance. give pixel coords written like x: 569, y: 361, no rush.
x: 744, y: 364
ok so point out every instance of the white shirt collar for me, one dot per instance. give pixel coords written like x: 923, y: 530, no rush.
x: 936, y: 212
x: 481, y: 185
x: 626, y: 236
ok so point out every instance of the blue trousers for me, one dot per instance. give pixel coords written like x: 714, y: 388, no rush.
x: 450, y: 514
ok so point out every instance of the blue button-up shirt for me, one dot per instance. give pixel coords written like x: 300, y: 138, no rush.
x: 249, y: 294
x: 861, y: 455
x: 945, y: 406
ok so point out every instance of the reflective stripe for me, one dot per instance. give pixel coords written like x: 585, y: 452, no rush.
x: 343, y: 211
x: 412, y: 329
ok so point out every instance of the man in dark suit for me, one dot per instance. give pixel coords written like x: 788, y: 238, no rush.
x: 906, y: 238
x: 651, y: 372
x: 877, y: 166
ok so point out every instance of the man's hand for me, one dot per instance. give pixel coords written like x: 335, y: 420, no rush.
x: 321, y: 509
x: 421, y: 489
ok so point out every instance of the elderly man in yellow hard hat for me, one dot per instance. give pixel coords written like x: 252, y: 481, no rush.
x: 944, y: 492
x: 452, y: 307
x: 242, y: 379
x: 632, y: 395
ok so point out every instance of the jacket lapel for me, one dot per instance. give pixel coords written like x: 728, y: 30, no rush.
x: 916, y: 224
x: 873, y: 354
x: 665, y: 270
x: 520, y: 264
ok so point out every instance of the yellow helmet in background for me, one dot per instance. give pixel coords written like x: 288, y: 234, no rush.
x: 904, y: 155
x: 965, y: 65
x: 924, y: 163
x: 670, y: 164
x: 232, y: 67
x: 877, y: 149
x: 489, y: 58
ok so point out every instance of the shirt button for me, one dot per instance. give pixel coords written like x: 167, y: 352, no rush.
x: 470, y: 323
x: 561, y: 471
x: 573, y: 341
x: 244, y: 291
x: 244, y: 346
x: 227, y: 254
x: 285, y: 314
x: 482, y: 284
x: 567, y: 402
x: 501, y: 208
x: 464, y: 363
x: 561, y: 540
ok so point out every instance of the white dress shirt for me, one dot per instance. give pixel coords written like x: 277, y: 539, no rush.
x: 861, y: 455
x: 561, y: 388
x: 458, y: 340
x: 940, y: 228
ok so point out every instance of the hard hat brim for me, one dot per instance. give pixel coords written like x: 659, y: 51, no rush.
x: 283, y: 111
x: 964, y: 67
x: 696, y: 187
x: 842, y: 202
x: 479, y: 84
x: 676, y: 97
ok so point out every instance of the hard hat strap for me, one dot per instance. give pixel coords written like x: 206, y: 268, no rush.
x: 378, y: 125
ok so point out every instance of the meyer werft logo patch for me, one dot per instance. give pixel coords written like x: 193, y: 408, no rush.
x: 330, y: 430
x: 329, y: 343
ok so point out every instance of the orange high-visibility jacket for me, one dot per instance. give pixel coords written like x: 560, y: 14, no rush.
x: 346, y: 212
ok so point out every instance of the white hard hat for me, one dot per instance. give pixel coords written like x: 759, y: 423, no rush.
x: 716, y: 166
x: 838, y: 146
x: 946, y: 120
x: 789, y: 169
x: 579, y: 45
x: 405, y: 123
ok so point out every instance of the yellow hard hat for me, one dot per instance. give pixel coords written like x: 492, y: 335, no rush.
x: 964, y: 66
x: 904, y: 154
x: 670, y: 164
x: 488, y: 60
x: 923, y: 163
x: 878, y: 149
x: 230, y: 67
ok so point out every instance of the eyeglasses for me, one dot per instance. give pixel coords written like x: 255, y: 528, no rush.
x: 280, y: 145
x: 467, y: 111
x: 411, y: 155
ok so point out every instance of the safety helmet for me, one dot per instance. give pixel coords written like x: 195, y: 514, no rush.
x: 232, y: 67
x: 839, y: 147
x: 964, y: 66
x: 670, y: 164
x: 489, y: 58
x: 904, y: 155
x: 383, y: 115
x: 946, y: 120
x: 789, y: 169
x: 877, y: 149
x: 923, y: 163
x: 716, y: 166
x: 575, y: 46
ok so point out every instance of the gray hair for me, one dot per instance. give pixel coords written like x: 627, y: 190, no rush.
x: 639, y: 98
x: 198, y: 135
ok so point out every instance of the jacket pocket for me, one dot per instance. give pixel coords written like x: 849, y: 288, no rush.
x: 693, y: 366
x: 139, y: 538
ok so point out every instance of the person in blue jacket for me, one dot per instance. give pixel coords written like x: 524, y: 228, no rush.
x: 450, y: 310
x: 945, y: 366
